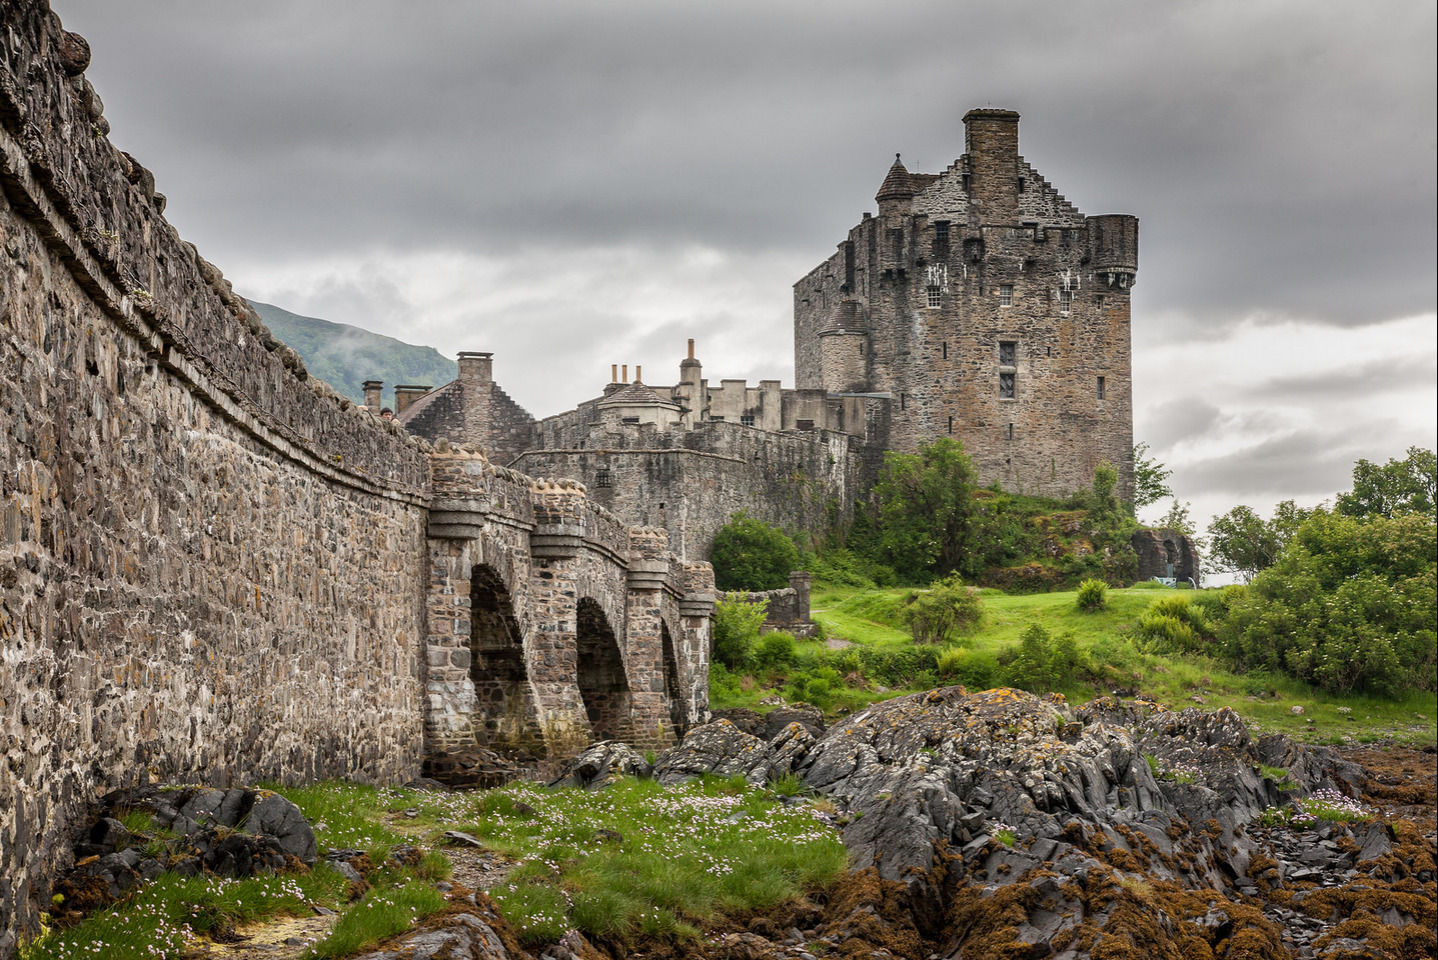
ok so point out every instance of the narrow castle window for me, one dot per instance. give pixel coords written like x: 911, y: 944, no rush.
x: 714, y: 419
x: 1006, y: 386
x: 1022, y: 184
x: 1008, y: 349
x: 1100, y: 388
x: 935, y: 297
x: 951, y: 424
x: 1066, y: 298
x: 1006, y: 294
x: 1011, y: 431
x: 946, y: 349
x: 629, y: 419
x: 603, y: 478
x: 748, y: 420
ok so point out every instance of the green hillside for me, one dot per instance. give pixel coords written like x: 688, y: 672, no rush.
x: 345, y: 357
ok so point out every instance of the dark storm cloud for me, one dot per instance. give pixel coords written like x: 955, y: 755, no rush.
x: 1280, y: 155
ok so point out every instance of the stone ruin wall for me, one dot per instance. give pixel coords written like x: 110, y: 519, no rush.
x: 211, y: 567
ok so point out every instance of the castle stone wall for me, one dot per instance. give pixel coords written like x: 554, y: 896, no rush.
x: 211, y: 567
x: 690, y: 483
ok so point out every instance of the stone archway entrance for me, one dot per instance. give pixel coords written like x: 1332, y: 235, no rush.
x: 603, y: 684
x: 677, y: 713
x: 506, y: 714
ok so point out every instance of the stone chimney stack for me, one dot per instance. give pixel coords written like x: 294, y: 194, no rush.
x: 638, y: 373
x: 474, y: 365
x: 991, y: 138
x: 624, y: 376
x: 690, y: 370
x: 373, y: 390
x: 407, y: 393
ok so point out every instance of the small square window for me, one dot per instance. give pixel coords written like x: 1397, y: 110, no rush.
x: 747, y: 420
x: 936, y: 298
x: 1100, y: 388
x: 1006, y: 386
x: 1006, y: 294
x: 603, y: 478
x: 1008, y: 349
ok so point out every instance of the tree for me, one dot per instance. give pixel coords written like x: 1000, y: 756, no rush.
x: 1397, y: 487
x: 749, y: 554
x: 1178, y: 519
x: 1242, y: 542
x: 1350, y: 605
x: 925, y: 509
x: 1149, y: 478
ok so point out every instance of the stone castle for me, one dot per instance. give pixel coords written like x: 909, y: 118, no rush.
x: 978, y: 304
x: 214, y: 568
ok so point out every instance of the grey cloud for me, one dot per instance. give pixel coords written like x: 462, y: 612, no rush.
x: 1371, y: 379
x: 1281, y: 156
x: 1185, y: 418
x: 1308, y: 466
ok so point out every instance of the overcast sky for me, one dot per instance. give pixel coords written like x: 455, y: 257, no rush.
x: 583, y: 183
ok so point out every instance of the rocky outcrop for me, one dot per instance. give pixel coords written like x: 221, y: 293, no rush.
x: 1016, y: 825
x: 233, y: 833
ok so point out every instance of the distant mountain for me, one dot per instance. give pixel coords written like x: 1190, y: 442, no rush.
x: 345, y: 357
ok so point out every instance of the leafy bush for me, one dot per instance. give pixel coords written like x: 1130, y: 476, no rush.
x: 1092, y: 595
x: 817, y: 688
x: 934, y: 614
x: 736, y: 628
x: 774, y: 651
x: 948, y: 663
x: 845, y: 568
x: 749, y: 554
x: 1041, y: 663
x: 1349, y: 606
x: 925, y: 507
x: 1175, y: 625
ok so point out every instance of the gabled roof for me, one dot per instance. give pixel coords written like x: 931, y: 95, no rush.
x: 636, y: 394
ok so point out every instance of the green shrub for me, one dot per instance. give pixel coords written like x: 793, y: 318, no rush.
x: 774, y: 651
x: 817, y: 687
x: 1092, y: 595
x: 749, y: 554
x: 736, y: 629
x: 1041, y: 663
x: 948, y: 663
x: 1174, y: 625
x: 948, y: 606
x: 1349, y: 606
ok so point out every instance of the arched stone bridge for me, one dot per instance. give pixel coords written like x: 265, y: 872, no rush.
x: 550, y: 624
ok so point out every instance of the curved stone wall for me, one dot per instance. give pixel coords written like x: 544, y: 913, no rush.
x: 211, y: 566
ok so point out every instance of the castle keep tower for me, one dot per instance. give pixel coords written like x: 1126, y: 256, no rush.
x: 989, y: 309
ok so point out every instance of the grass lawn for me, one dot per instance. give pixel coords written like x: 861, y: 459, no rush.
x: 872, y: 620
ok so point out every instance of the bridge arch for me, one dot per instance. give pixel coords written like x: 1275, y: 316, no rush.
x: 505, y: 713
x: 602, y: 679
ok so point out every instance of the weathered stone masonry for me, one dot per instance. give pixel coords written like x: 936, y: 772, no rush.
x: 215, y: 569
